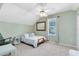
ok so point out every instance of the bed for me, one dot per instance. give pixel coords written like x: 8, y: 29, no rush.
x: 33, y: 40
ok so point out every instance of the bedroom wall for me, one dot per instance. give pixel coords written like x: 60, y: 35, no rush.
x: 40, y: 32
x: 67, y: 28
x: 77, y: 29
x: 13, y: 29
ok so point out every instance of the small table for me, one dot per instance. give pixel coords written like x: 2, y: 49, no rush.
x: 16, y: 40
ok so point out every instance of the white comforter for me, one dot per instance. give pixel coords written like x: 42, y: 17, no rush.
x: 32, y: 40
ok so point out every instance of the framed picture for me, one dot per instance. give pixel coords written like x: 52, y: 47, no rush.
x: 41, y: 26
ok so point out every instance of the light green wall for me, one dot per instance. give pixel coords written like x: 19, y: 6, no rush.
x: 12, y: 29
x: 40, y: 33
x: 66, y: 26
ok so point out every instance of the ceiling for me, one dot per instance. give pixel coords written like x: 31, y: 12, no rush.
x: 27, y: 13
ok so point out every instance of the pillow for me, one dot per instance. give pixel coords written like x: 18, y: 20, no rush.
x: 26, y: 35
x: 32, y: 34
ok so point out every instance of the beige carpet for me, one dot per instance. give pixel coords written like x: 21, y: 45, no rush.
x: 46, y: 49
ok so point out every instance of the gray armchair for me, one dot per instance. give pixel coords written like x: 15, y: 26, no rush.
x: 4, y: 41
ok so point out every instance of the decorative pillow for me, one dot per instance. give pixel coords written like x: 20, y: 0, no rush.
x: 26, y: 35
x: 32, y: 34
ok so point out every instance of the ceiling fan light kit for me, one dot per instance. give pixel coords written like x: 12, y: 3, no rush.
x: 43, y: 14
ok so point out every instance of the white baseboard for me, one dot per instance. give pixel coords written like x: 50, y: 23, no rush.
x: 73, y: 46
x: 68, y: 45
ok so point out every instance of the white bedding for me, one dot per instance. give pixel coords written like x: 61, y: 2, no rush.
x: 33, y: 40
x: 35, y: 37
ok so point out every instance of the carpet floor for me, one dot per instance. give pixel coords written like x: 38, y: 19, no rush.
x: 48, y: 48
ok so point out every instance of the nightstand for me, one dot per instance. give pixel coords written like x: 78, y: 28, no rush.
x: 16, y: 40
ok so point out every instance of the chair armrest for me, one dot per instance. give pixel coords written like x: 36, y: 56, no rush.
x: 8, y: 39
x: 3, y: 40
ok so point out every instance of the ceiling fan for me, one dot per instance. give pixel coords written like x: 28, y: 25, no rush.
x: 42, y: 11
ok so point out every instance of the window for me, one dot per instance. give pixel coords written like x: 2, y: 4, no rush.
x: 52, y: 27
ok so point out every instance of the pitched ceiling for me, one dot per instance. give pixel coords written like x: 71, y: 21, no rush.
x: 27, y: 13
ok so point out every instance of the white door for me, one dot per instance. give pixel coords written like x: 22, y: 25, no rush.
x: 78, y: 32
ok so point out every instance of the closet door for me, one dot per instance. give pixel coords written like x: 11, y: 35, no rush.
x: 67, y: 29
x: 77, y: 32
